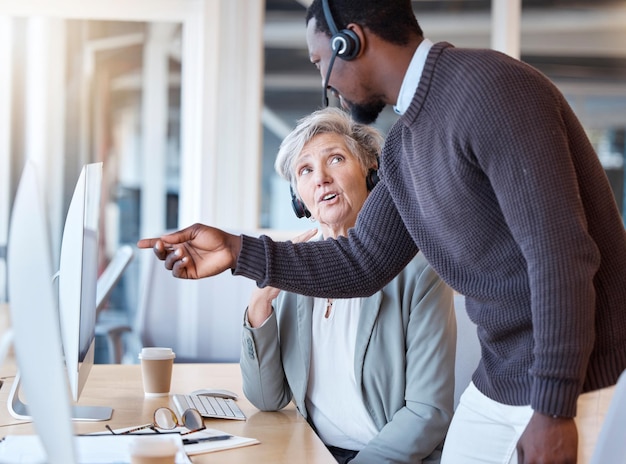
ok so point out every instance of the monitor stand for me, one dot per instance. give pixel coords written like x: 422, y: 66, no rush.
x: 19, y: 409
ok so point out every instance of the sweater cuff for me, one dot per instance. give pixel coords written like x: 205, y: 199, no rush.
x: 554, y: 398
x: 251, y: 260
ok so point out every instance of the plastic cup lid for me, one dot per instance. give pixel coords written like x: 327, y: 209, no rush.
x: 156, y: 353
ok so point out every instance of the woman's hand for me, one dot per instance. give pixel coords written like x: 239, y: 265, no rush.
x: 260, y: 306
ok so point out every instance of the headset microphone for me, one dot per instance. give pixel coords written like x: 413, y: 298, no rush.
x: 325, y: 83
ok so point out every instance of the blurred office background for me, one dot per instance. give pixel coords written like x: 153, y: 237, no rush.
x: 186, y: 102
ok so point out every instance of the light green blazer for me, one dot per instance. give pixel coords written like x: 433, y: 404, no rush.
x: 404, y: 362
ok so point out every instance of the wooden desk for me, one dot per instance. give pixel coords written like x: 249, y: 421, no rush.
x: 284, y: 435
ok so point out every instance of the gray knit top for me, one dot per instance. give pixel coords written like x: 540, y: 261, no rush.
x: 490, y: 174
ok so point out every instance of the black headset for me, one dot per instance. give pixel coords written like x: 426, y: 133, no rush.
x: 344, y: 43
x: 302, y: 211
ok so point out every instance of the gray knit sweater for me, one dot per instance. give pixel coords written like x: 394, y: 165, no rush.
x: 491, y: 175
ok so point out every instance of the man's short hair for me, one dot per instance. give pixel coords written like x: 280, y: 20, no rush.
x: 391, y: 20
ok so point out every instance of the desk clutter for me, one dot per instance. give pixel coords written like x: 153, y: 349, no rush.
x: 199, y: 442
x: 106, y: 447
x: 282, y: 437
x: 98, y: 449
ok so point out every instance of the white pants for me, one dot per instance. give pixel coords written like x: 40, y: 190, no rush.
x: 484, y: 431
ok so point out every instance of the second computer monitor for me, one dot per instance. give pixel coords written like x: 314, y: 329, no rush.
x: 78, y: 276
x: 78, y: 279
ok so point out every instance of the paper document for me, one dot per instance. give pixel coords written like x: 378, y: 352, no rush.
x: 203, y: 446
x: 217, y: 445
x: 91, y: 449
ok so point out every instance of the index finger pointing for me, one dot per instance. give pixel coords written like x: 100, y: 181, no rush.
x: 148, y: 242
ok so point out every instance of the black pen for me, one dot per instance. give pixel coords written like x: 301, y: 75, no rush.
x: 193, y: 441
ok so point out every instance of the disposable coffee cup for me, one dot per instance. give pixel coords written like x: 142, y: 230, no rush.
x: 153, y: 450
x: 156, y: 370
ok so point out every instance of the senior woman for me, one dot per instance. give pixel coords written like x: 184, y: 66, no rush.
x: 374, y: 376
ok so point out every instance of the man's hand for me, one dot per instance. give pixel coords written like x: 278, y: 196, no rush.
x: 548, y: 440
x: 195, y: 252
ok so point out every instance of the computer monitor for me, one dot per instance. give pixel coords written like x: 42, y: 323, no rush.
x: 78, y: 277
x: 78, y: 282
x: 34, y: 323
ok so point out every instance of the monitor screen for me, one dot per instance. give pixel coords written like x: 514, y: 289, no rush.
x: 33, y: 319
x: 78, y: 277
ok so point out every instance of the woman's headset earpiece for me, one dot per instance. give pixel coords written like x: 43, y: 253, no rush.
x: 344, y: 42
x: 371, y: 179
x: 298, y: 205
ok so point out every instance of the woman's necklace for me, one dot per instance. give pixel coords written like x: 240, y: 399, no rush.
x: 329, y: 307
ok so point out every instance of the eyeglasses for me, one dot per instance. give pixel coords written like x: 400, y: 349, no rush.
x: 165, y: 419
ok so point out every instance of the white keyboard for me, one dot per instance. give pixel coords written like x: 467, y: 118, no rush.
x: 209, y: 406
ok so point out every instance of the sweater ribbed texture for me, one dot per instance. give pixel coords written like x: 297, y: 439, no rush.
x: 491, y: 175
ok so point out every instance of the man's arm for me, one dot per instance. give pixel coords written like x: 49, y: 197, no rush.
x: 375, y: 251
x: 378, y: 248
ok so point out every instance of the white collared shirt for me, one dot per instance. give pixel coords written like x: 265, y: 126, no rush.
x: 412, y: 77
